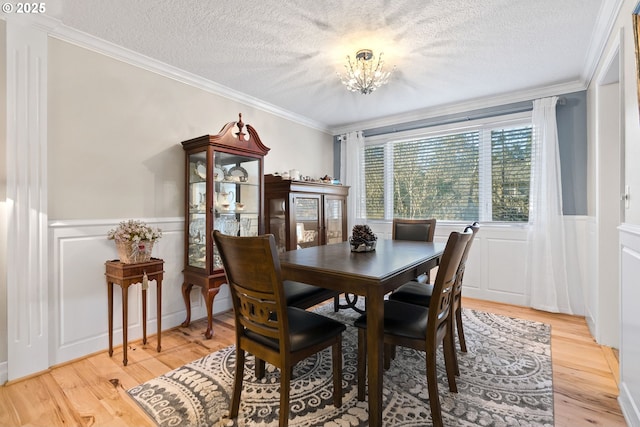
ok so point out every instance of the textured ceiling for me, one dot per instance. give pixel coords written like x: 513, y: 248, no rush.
x: 287, y: 53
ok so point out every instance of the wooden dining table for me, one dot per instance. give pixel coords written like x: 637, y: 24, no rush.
x: 369, y: 274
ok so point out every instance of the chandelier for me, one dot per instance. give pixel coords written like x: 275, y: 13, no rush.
x: 364, y: 75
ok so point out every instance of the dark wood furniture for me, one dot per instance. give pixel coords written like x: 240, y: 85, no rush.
x: 369, y: 274
x: 421, y: 328
x: 302, y: 214
x: 265, y: 325
x: 126, y: 275
x: 223, y: 191
x: 415, y: 229
x: 420, y: 294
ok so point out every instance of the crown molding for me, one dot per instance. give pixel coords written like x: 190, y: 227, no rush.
x: 609, y: 11
x: 55, y: 28
x: 456, y: 108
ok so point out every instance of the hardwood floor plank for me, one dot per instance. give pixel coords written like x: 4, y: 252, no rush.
x: 92, y: 391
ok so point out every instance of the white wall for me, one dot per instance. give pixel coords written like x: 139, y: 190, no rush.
x: 78, y: 291
x: 630, y: 331
x: 115, y: 132
x: 603, y: 214
x: 3, y: 195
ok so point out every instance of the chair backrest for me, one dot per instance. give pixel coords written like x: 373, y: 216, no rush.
x: 414, y: 229
x: 442, y: 295
x: 457, y: 290
x: 252, y: 267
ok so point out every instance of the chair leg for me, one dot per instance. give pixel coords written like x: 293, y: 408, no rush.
x: 237, y: 384
x: 463, y: 343
x: 450, y: 361
x: 450, y: 343
x: 432, y: 386
x: 389, y: 354
x: 337, y: 372
x: 362, y: 363
x: 259, y: 368
x: 336, y: 303
x: 285, y: 388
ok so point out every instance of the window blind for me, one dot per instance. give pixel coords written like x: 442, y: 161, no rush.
x: 479, y: 172
x: 437, y: 177
x: 510, y: 173
x: 374, y: 179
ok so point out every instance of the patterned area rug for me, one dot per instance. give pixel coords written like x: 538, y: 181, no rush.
x: 505, y: 380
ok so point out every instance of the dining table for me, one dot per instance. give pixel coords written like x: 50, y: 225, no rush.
x: 371, y: 275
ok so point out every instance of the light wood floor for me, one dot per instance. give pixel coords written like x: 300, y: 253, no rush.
x: 91, y: 391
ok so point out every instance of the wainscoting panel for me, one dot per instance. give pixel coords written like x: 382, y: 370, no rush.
x: 630, y: 320
x: 496, y: 266
x: 78, y: 290
x: 506, y: 263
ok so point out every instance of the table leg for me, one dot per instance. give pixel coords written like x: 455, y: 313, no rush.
x: 110, y: 315
x: 159, y: 309
x: 144, y: 316
x: 375, y: 349
x: 186, y: 291
x: 125, y: 323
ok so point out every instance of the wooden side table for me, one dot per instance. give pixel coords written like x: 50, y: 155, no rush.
x: 129, y: 274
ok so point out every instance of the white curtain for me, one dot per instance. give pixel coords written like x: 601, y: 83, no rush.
x: 350, y: 172
x: 546, y: 261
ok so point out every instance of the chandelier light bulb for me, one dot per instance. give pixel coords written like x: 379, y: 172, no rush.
x: 365, y: 75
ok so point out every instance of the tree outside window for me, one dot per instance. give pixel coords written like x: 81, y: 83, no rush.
x: 481, y: 173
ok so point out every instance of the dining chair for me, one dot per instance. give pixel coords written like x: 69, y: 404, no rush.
x: 303, y: 295
x: 265, y: 326
x: 422, y: 328
x: 418, y: 293
x: 413, y: 229
x: 421, y: 230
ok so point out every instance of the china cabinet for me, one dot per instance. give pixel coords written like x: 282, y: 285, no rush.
x: 301, y: 214
x: 224, y: 191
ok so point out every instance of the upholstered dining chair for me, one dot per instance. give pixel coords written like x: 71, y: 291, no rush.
x: 265, y: 326
x: 421, y: 230
x: 422, y: 328
x: 303, y: 295
x: 419, y: 293
x: 413, y: 229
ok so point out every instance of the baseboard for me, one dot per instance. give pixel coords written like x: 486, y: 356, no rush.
x: 4, y: 372
x: 630, y: 411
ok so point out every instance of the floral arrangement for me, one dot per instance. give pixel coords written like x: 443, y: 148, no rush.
x: 134, y: 231
x: 362, y: 239
x: 134, y: 240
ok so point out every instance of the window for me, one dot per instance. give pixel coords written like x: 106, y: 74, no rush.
x: 479, y: 172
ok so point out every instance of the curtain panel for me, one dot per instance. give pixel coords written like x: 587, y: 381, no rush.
x: 546, y: 266
x: 350, y: 172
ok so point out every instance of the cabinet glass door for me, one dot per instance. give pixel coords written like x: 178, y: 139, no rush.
x: 307, y: 221
x: 277, y: 222
x: 236, y: 198
x: 197, y: 217
x: 334, y: 213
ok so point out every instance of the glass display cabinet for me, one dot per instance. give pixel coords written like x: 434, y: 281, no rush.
x: 224, y: 190
x: 301, y: 214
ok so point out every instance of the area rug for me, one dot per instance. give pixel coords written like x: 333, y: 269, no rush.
x: 505, y: 380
